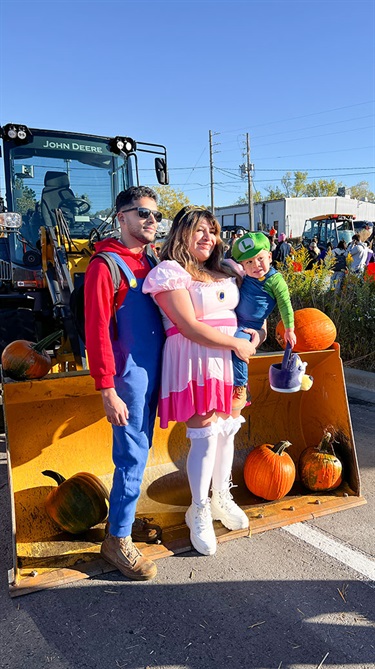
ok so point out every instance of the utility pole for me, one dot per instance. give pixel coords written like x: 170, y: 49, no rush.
x: 211, y: 173
x: 249, y: 168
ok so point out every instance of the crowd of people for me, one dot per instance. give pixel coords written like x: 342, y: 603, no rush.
x: 176, y: 338
x: 353, y: 257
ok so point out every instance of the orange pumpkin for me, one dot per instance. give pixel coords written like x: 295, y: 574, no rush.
x: 313, y: 329
x: 23, y: 359
x: 77, y: 503
x: 319, y: 467
x: 269, y: 471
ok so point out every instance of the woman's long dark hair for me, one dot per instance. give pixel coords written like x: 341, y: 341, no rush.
x: 176, y: 245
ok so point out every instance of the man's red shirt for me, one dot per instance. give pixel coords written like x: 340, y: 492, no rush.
x: 99, y: 299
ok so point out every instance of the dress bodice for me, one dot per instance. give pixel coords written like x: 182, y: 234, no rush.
x: 211, y: 301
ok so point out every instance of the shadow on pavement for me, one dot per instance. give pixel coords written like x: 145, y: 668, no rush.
x: 107, y: 623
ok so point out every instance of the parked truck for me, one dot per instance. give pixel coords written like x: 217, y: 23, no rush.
x: 288, y: 215
x: 329, y: 229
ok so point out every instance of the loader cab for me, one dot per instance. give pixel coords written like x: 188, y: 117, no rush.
x: 330, y: 228
x: 60, y: 193
x: 80, y: 175
x: 59, y: 171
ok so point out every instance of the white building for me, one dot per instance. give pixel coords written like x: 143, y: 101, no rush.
x: 289, y: 214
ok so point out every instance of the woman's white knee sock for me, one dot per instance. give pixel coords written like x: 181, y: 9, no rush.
x: 201, y: 460
x: 227, y: 429
x: 223, y: 506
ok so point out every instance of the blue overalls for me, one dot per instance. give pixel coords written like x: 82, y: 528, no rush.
x: 254, y: 306
x: 138, y: 353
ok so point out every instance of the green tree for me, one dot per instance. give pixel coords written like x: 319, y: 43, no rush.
x: 361, y: 191
x: 287, y: 183
x: 322, y: 188
x: 103, y: 213
x: 296, y: 186
x: 242, y: 200
x: 26, y: 198
x: 299, y: 185
x: 274, y: 193
x: 170, y: 201
x: 84, y: 196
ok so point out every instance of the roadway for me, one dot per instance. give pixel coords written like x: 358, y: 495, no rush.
x: 301, y: 597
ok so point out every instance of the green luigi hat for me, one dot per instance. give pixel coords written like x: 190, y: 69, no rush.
x: 249, y: 245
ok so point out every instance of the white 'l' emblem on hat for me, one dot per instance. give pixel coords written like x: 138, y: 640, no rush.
x: 246, y: 244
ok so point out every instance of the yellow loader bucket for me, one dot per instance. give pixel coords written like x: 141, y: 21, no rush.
x: 58, y: 423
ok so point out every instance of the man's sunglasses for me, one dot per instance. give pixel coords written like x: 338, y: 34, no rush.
x: 145, y: 213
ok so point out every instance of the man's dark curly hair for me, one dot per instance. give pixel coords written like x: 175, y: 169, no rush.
x: 134, y: 193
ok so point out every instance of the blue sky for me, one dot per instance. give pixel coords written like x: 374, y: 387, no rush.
x: 297, y: 76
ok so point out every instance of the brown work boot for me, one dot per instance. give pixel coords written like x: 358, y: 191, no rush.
x: 239, y: 397
x: 121, y: 552
x: 142, y: 531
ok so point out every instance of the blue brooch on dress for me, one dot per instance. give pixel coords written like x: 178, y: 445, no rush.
x: 220, y: 295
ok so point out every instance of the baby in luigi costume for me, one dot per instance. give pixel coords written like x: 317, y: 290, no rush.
x: 262, y: 288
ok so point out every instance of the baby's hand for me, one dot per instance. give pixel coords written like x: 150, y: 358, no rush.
x: 290, y: 337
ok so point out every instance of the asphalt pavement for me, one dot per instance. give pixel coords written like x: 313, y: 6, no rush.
x: 301, y: 597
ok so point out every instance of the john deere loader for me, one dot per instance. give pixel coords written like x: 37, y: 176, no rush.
x: 58, y: 423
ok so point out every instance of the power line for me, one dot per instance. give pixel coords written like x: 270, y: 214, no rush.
x: 308, y: 178
x: 301, y: 169
x: 295, y: 118
x: 300, y: 139
x: 314, y: 169
x: 326, y: 176
x: 294, y: 155
x: 269, y: 169
x: 195, y: 166
x: 311, y: 127
x: 326, y: 134
x: 227, y: 173
x: 317, y: 153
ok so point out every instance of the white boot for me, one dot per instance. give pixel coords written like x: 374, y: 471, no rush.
x: 202, y: 534
x: 224, y: 508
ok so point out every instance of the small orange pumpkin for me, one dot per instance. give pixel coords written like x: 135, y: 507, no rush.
x: 77, y: 503
x: 269, y: 471
x: 22, y: 359
x: 319, y: 467
x: 313, y: 329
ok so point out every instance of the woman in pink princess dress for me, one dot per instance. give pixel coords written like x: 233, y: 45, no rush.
x: 197, y: 296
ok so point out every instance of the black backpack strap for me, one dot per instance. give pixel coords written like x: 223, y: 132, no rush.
x: 113, y: 268
x: 116, y: 278
x: 151, y: 256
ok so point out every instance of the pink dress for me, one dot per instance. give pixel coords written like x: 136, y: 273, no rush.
x: 195, y: 378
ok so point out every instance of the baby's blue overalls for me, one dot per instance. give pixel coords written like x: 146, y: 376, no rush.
x: 253, y: 308
x: 138, y: 352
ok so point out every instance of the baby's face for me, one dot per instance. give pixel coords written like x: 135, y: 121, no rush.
x: 258, y: 266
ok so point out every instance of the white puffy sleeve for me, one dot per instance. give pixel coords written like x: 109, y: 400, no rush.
x: 237, y: 267
x: 167, y: 275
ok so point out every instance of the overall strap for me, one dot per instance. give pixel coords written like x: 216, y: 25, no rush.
x: 118, y: 261
x: 114, y: 262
